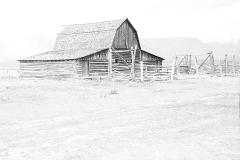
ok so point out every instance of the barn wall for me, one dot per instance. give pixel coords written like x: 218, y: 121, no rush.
x: 48, y: 69
x: 148, y: 56
x: 98, y: 63
x: 98, y: 68
x: 125, y: 37
x: 151, y: 63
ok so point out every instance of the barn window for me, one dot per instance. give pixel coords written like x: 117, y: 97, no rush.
x: 116, y: 60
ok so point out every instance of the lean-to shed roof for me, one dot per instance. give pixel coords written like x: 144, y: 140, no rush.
x: 63, y: 55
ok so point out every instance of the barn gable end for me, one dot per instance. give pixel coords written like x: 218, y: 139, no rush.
x: 126, y: 36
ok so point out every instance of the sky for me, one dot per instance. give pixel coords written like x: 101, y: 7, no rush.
x: 29, y: 26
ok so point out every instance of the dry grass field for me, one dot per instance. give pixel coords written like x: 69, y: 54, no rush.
x: 78, y: 120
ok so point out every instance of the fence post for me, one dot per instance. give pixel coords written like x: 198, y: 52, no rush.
x: 220, y: 67
x: 212, y: 64
x: 173, y: 67
x: 190, y: 59
x: 177, y: 66
x: 233, y: 62
x: 132, y: 68
x: 226, y: 64
x: 141, y: 65
x: 110, y: 61
x: 196, y: 65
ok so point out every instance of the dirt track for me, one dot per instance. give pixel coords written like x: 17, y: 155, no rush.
x: 191, y: 119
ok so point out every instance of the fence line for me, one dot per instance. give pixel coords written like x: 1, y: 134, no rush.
x: 228, y: 66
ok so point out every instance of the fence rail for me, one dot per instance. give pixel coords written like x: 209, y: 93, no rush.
x: 11, y: 72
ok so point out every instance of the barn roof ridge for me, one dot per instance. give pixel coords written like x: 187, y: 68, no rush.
x: 123, y: 19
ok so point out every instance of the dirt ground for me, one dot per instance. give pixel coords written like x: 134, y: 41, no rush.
x: 78, y: 120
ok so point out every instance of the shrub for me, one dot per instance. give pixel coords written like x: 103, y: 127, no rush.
x: 113, y: 91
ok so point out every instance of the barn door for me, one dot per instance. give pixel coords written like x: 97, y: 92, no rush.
x: 85, y: 68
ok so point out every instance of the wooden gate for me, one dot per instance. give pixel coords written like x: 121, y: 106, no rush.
x: 229, y: 66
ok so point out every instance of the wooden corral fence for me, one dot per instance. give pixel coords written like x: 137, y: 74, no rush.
x: 149, y: 73
x: 188, y: 64
x: 159, y: 73
x: 229, y: 66
x: 138, y: 69
x: 204, y: 64
x: 199, y: 64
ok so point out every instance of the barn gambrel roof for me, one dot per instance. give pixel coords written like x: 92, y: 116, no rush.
x: 80, y: 40
x: 91, y: 35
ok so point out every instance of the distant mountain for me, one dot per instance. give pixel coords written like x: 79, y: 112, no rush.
x: 3, y: 58
x: 9, y: 64
x: 27, y: 46
x: 167, y: 47
x: 36, y: 45
x: 163, y: 47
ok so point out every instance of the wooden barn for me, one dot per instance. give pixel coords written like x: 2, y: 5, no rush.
x: 108, y: 48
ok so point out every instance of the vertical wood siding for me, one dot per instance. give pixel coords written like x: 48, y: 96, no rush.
x: 125, y: 37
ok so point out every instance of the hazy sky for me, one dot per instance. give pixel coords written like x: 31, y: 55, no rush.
x: 207, y: 20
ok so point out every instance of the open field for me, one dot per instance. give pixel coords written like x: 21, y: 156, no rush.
x: 70, y: 120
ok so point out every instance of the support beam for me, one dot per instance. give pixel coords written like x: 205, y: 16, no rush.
x: 186, y: 60
x: 182, y: 60
x: 190, y: 60
x: 220, y: 67
x: 196, y: 66
x: 212, y: 64
x: 226, y: 64
x: 110, y: 62
x: 133, y: 53
x: 177, y: 66
x: 141, y: 65
x: 132, y: 66
x: 173, y: 68
x: 204, y: 61
x: 234, y: 66
x: 157, y: 66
